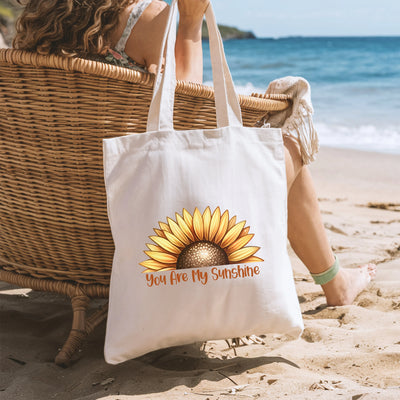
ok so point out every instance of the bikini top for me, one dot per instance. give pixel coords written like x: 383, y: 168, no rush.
x: 117, y: 56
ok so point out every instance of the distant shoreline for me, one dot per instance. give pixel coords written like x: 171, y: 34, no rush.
x: 229, y: 32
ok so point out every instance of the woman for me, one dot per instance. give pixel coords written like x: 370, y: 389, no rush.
x: 90, y: 28
x: 130, y: 32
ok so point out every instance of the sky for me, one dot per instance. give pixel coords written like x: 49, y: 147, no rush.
x: 311, y: 17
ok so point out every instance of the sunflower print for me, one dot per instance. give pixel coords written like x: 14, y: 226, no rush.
x: 199, y: 240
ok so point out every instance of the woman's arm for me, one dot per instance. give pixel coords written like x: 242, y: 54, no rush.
x: 188, y: 49
x: 144, y: 43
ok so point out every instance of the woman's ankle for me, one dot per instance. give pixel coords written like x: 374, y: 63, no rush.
x: 336, y: 290
x: 344, y: 288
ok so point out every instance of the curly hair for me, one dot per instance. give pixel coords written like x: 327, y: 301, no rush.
x: 68, y: 27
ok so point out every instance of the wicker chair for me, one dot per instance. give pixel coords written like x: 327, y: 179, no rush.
x: 54, y: 113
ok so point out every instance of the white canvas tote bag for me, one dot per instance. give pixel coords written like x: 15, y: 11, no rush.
x: 199, y: 223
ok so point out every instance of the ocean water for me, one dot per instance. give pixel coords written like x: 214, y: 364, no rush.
x: 355, y: 83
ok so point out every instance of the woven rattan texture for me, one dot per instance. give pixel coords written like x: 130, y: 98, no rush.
x: 54, y: 113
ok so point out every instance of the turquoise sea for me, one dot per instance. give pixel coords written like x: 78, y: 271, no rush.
x: 355, y: 83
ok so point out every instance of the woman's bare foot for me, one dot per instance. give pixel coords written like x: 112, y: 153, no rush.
x: 347, y: 284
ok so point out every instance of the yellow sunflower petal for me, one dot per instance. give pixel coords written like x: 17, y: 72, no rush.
x: 160, y: 233
x: 242, y: 254
x: 153, y: 265
x: 207, y: 222
x: 166, y: 244
x: 167, y: 269
x: 252, y: 259
x: 198, y: 224
x: 214, y: 224
x: 162, y: 257
x: 223, y: 226
x: 244, y: 232
x: 174, y: 240
x: 239, y: 243
x: 152, y: 247
x: 232, y: 234
x: 188, y: 219
x: 232, y: 223
x: 148, y: 271
x: 164, y: 227
x: 185, y: 229
x: 177, y: 231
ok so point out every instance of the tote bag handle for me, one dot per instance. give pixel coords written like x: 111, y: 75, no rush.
x: 162, y: 104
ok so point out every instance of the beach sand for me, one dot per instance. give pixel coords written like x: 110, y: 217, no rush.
x: 350, y: 352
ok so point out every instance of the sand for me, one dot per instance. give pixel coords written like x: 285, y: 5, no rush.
x: 350, y: 352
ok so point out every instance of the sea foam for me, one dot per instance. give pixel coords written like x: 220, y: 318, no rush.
x: 383, y: 139
x: 368, y: 137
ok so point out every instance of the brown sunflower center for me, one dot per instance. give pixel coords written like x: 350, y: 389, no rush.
x: 201, y: 254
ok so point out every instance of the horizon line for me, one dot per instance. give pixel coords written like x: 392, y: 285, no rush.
x: 327, y: 36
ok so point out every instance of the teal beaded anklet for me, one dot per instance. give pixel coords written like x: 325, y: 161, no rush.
x: 328, y: 275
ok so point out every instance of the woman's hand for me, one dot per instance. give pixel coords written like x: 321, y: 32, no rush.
x: 191, y: 12
x: 188, y: 49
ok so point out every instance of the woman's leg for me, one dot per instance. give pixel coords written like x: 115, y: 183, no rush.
x: 307, y: 234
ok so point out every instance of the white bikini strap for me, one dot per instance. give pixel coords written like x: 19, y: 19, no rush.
x: 134, y: 16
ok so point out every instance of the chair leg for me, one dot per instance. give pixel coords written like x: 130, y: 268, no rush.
x: 79, y: 303
x: 81, y: 326
x: 80, y: 298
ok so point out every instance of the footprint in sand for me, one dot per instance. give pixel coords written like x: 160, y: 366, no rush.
x: 311, y: 335
x: 393, y: 221
x: 385, y: 206
x: 373, y: 301
x: 326, y: 212
x: 334, y: 229
x: 339, y: 248
x: 336, y: 200
x: 394, y: 252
